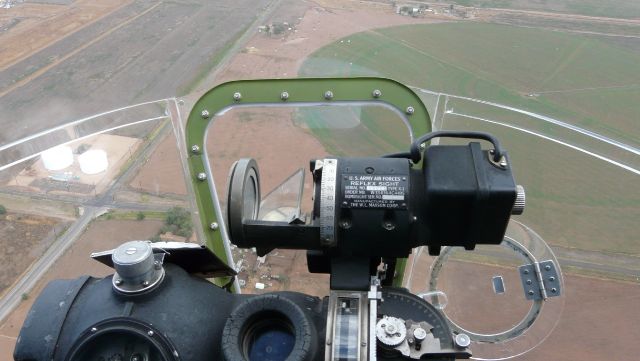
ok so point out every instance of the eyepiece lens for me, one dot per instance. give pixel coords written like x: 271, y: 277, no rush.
x: 270, y: 341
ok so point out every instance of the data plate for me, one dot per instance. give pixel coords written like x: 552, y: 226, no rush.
x: 374, y: 191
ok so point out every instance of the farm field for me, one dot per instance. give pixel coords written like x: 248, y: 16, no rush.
x: 616, y: 9
x: 485, y: 61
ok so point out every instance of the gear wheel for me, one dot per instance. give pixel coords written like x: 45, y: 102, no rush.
x: 391, y: 331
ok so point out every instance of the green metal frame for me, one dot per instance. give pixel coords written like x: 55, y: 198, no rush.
x: 298, y: 91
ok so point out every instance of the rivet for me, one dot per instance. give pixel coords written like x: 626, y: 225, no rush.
x: 526, y: 271
x: 547, y: 267
x: 213, y: 226
x: 202, y: 176
x: 195, y: 149
x: 205, y: 114
x: 410, y: 110
x: 328, y: 95
x: 284, y: 95
x: 376, y: 93
x: 554, y: 290
x: 551, y: 279
x: 237, y: 96
x: 529, y: 282
x: 531, y: 292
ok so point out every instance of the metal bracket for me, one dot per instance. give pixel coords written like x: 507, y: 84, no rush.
x: 540, y: 280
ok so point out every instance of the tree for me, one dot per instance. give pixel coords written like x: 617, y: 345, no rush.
x: 3, y: 210
x: 140, y: 216
x: 178, y: 222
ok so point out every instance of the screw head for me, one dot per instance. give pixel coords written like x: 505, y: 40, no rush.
x: 202, y: 176
x: 547, y: 267
x: 376, y: 93
x: 423, y: 146
x: 284, y: 95
x: 328, y: 95
x: 157, y: 265
x: 529, y: 282
x: 554, y: 290
x: 195, y: 149
x: 551, y: 279
x: 410, y: 110
x: 531, y: 292
x: 526, y: 271
x: 93, y: 329
x: 462, y: 340
x: 237, y: 96
x: 205, y: 114
x: 214, y: 226
x: 150, y: 333
x: 145, y: 283
x: 118, y: 282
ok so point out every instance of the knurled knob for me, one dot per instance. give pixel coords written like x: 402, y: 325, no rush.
x: 518, y: 205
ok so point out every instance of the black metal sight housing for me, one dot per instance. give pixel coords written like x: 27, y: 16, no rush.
x: 373, y: 208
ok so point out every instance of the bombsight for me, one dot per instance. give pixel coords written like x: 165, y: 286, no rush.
x: 367, y: 212
x: 372, y: 208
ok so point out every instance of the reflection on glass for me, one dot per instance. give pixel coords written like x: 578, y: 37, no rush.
x: 283, y: 203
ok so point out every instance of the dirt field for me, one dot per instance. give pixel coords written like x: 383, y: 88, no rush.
x: 162, y: 173
x: 100, y: 236
x: 27, y: 28
x: 23, y: 239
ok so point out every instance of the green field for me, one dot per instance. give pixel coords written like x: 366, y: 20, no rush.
x: 576, y: 78
x: 574, y: 200
x: 615, y: 9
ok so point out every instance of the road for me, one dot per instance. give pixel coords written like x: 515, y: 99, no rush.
x: 14, y: 296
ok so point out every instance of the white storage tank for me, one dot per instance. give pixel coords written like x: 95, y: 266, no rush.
x: 57, y: 158
x: 93, y: 161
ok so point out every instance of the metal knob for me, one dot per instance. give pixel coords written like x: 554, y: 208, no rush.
x: 518, y: 205
x: 135, y: 266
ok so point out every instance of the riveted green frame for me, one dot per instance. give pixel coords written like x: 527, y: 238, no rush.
x: 310, y: 91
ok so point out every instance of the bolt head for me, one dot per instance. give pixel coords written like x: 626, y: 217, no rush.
x: 328, y: 95
x: 410, y: 110
x: 202, y: 176
x: 237, y: 96
x: 376, y: 93
x: 554, y: 290
x: 150, y: 333
x: 195, y: 149
x: 284, y: 95
x: 214, y: 226
x: 205, y: 114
